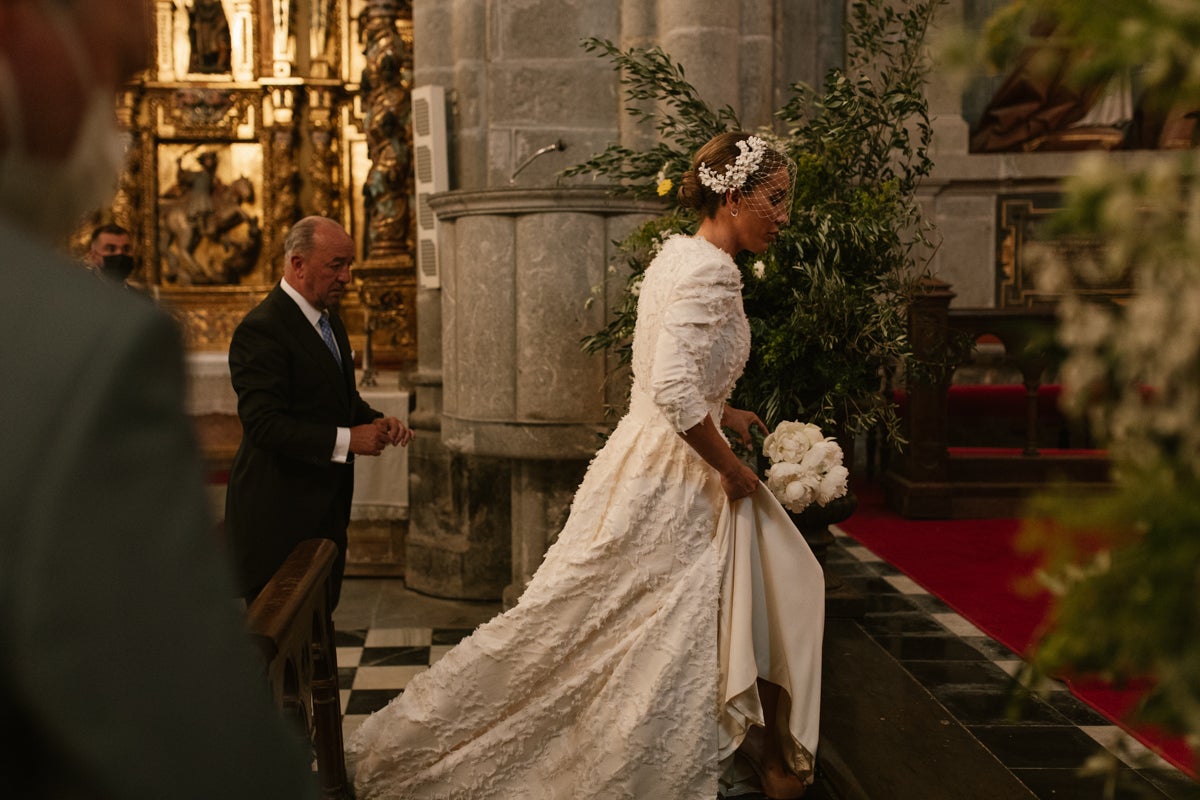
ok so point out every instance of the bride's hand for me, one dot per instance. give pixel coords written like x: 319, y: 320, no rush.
x: 739, y: 482
x: 740, y: 422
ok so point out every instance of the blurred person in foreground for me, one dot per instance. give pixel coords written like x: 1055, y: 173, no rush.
x: 125, y: 671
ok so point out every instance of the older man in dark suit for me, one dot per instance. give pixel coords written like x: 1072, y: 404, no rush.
x: 303, y: 421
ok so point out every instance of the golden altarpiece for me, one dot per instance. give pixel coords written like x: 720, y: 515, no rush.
x: 253, y: 114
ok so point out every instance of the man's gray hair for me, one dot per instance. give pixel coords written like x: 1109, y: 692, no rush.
x: 299, y: 240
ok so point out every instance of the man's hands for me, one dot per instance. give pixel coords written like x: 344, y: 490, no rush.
x: 396, y: 431
x: 370, y: 439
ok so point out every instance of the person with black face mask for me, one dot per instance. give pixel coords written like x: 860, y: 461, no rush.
x: 110, y: 254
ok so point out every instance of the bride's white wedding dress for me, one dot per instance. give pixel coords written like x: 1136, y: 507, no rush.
x: 629, y: 667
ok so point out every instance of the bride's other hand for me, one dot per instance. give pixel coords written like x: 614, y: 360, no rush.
x: 737, y: 479
x: 740, y: 422
x: 739, y: 482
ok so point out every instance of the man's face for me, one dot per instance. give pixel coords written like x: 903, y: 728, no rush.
x: 323, y: 275
x: 109, y: 244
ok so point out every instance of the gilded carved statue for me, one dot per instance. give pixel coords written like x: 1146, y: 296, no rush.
x: 387, y: 86
x: 208, y: 35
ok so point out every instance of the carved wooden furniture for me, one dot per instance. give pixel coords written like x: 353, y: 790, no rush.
x: 931, y: 478
x: 291, y: 623
x: 253, y: 114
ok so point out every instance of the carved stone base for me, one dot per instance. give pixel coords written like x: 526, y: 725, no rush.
x: 459, y: 542
x: 376, y: 548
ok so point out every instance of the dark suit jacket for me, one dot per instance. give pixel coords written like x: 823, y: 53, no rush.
x: 126, y: 670
x: 292, y: 397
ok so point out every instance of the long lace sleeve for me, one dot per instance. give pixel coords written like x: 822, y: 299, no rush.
x: 685, y: 352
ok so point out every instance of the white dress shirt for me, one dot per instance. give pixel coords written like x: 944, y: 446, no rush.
x: 341, y: 446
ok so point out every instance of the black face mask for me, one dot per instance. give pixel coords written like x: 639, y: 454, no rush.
x: 117, y: 267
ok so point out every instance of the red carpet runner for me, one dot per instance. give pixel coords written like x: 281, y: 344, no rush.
x: 973, y: 566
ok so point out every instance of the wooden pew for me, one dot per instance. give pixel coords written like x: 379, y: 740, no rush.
x: 291, y: 623
x: 930, y: 478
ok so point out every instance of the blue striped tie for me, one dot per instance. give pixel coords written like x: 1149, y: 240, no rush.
x: 327, y: 335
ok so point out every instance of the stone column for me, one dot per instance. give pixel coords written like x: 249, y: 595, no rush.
x: 523, y: 264
x: 757, y: 99
x: 459, y: 513
x: 705, y: 37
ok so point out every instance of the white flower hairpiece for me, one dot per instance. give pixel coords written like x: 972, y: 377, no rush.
x: 734, y: 177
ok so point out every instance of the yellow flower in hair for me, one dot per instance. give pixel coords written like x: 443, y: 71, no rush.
x: 664, y: 186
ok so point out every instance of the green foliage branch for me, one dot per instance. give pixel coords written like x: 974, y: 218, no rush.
x: 828, y: 303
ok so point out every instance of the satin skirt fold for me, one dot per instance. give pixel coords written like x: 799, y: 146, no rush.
x: 770, y: 627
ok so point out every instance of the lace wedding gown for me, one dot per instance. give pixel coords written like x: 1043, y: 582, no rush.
x: 629, y: 667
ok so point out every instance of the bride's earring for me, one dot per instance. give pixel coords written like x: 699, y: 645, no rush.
x: 733, y: 211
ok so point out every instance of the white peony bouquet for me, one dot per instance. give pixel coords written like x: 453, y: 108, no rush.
x: 806, y: 467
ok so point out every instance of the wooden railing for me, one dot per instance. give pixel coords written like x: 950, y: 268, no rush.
x: 292, y: 624
x: 932, y: 479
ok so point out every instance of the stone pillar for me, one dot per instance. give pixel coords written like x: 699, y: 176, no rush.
x: 705, y: 37
x: 472, y: 98
x: 457, y: 544
x: 518, y: 269
x: 757, y: 65
x: 639, y: 27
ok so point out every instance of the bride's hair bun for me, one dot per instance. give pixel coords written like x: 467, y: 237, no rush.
x: 691, y: 193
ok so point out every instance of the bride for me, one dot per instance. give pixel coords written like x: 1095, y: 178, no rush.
x: 669, y: 646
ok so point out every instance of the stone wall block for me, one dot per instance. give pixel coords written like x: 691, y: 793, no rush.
x: 485, y: 348
x: 554, y: 92
x: 551, y: 28
x: 560, y: 257
x: 433, y: 32
x: 711, y: 60
x: 967, y: 256
x: 757, y: 99
x: 682, y: 14
x: 429, y: 316
x: 459, y: 541
x: 448, y: 258
x: 469, y: 28
x: 758, y: 18
x: 579, y: 144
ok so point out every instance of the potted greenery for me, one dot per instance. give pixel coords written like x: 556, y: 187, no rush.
x: 828, y: 304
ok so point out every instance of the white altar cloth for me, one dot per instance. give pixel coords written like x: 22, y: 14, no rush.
x: 380, y: 483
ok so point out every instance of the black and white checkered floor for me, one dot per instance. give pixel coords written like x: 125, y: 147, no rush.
x: 381, y: 647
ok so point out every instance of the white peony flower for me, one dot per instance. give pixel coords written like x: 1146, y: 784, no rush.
x: 790, y: 441
x: 805, y: 466
x: 833, y: 485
